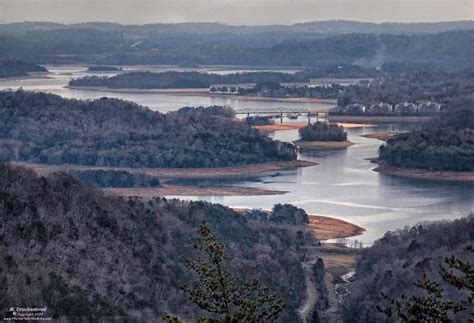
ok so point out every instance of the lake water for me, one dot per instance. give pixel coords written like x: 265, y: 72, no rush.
x: 343, y: 185
x: 59, y: 77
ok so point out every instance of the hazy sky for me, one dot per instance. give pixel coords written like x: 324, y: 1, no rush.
x: 249, y: 12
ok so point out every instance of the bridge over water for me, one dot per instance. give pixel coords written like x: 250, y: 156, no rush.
x: 284, y: 111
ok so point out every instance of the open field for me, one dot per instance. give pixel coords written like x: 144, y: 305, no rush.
x: 425, y: 174
x: 316, y: 145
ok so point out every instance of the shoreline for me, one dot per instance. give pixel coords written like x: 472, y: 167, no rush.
x: 328, y: 228
x: 184, y: 190
x: 296, y: 126
x: 381, y: 119
x: 324, y: 227
x: 201, y: 92
x: 383, y: 136
x: 279, y: 127
x: 322, y: 145
x: 32, y: 76
x: 425, y: 174
x: 182, y: 173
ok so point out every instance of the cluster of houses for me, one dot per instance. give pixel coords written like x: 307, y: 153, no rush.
x: 386, y: 108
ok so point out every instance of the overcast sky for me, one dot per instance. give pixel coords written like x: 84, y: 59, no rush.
x: 237, y: 12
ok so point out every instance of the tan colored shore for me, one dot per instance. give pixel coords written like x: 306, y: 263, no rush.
x: 181, y: 190
x: 334, y: 118
x: 186, y: 173
x: 355, y: 125
x: 424, y: 174
x: 317, y: 145
x: 384, y: 136
x: 280, y: 127
x: 297, y: 126
x: 326, y: 228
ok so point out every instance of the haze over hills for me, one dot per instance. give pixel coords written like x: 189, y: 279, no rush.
x: 90, y: 227
x: 329, y: 27
x: 446, y: 44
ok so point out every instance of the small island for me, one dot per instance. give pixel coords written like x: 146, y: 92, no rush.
x: 18, y: 68
x: 103, y: 68
x: 322, y: 135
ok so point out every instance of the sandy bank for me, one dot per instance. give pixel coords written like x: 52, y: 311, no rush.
x: 381, y: 119
x: 180, y: 190
x: 187, y: 173
x: 280, y: 127
x: 326, y: 228
x: 297, y: 126
x: 424, y: 174
x: 316, y: 145
x: 382, y: 135
x: 355, y: 125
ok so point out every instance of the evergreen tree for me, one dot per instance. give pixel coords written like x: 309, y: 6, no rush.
x: 434, y: 307
x: 226, y: 297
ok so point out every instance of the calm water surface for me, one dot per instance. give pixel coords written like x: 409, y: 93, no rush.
x: 59, y: 77
x: 343, y: 185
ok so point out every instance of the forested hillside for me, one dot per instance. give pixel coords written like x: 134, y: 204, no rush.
x: 398, y: 260
x: 88, y: 255
x: 311, y: 44
x: 45, y: 128
x: 14, y: 68
x: 446, y: 144
x: 414, y: 86
x: 172, y: 80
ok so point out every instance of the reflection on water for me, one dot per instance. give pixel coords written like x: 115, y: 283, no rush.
x: 343, y: 185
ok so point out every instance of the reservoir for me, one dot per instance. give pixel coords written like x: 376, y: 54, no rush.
x: 342, y: 185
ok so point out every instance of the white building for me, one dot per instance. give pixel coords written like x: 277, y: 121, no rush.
x: 405, y: 108
x: 355, y: 108
x: 429, y: 107
x: 381, y: 107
